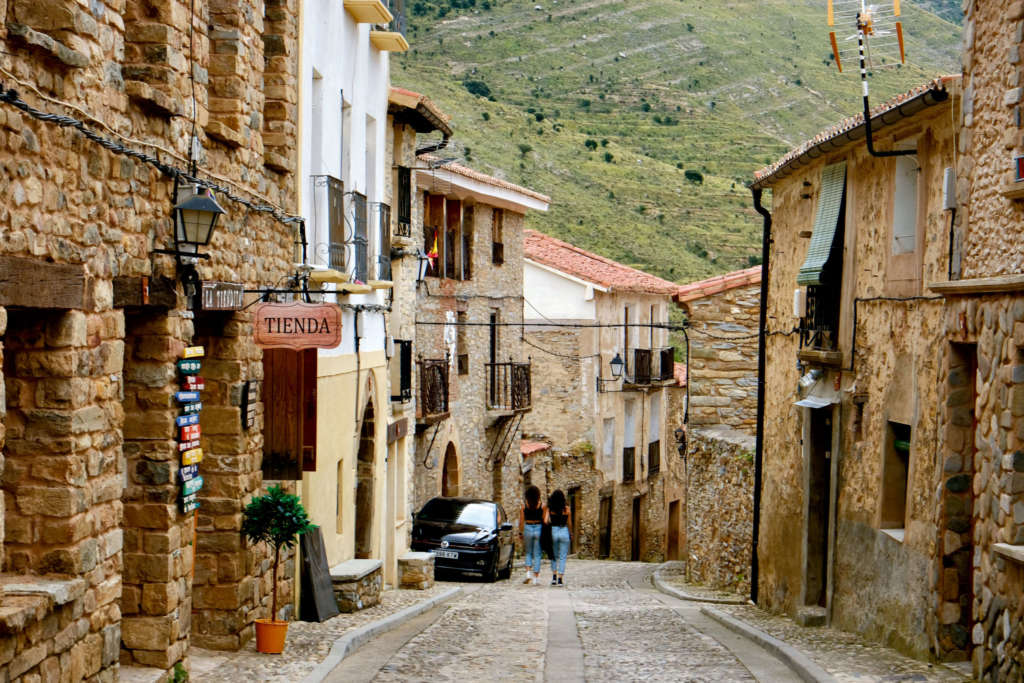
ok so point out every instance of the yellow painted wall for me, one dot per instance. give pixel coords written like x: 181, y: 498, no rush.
x: 337, y: 444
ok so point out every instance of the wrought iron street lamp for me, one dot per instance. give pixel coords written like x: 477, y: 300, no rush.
x: 195, y: 218
x: 616, y: 365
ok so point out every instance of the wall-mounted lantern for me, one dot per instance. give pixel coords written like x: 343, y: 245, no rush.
x: 616, y: 365
x: 195, y: 218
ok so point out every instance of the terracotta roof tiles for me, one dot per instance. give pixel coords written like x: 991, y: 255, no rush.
x: 467, y: 172
x: 717, y: 284
x: 591, y: 267
x: 531, y: 447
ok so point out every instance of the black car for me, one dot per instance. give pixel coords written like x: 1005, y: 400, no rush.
x: 465, y: 535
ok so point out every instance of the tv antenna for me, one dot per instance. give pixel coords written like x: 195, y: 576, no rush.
x: 879, y: 36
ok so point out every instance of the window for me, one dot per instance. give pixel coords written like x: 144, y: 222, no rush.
x: 335, y: 221
x: 360, y: 237
x: 629, y: 441
x: 403, y: 227
x: 904, y: 205
x: 467, y: 242
x: 895, y: 470
x: 497, y: 243
x: 608, y: 453
x: 289, y: 406
x: 654, y: 435
x: 401, y: 371
x: 461, y: 349
x: 433, y: 219
x: 822, y: 269
x: 453, y: 221
x: 384, y: 242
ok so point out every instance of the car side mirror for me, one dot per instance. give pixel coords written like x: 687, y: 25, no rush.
x: 506, y: 527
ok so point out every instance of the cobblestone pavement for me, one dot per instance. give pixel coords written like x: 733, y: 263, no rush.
x: 308, y: 644
x: 500, y: 634
x: 845, y: 655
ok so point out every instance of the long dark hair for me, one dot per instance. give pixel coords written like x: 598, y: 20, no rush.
x: 532, y: 496
x: 556, y: 501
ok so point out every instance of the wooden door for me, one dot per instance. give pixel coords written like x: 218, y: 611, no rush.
x: 605, y: 527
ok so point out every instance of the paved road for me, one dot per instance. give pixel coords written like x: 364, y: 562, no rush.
x: 607, y: 624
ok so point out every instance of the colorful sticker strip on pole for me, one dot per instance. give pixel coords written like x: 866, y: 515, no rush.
x: 189, y: 430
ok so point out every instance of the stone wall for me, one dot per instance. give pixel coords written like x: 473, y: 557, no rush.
x: 880, y: 578
x: 986, y: 334
x: 720, y: 508
x: 472, y: 430
x: 90, y: 464
x: 723, y: 386
x: 559, y: 401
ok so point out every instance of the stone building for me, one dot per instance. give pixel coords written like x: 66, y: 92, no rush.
x: 852, y: 532
x: 722, y: 317
x: 409, y: 114
x: 977, y: 595
x: 103, y: 567
x: 612, y: 448
x: 474, y: 372
x: 722, y: 328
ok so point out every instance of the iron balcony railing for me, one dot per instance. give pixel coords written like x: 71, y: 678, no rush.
x: 509, y: 386
x: 433, y: 387
x: 397, y: 9
x: 628, y: 463
x: 820, y: 326
x: 360, y: 237
x: 329, y: 221
x: 654, y: 457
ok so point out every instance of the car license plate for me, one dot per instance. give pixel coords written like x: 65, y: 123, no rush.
x: 449, y: 554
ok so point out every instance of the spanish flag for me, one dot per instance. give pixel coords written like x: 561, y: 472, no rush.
x: 432, y: 254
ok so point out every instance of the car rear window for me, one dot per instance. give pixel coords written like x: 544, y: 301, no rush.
x: 473, y: 514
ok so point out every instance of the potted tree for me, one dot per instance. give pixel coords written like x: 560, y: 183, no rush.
x: 276, y: 519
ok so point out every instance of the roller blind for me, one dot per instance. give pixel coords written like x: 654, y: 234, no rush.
x: 830, y: 201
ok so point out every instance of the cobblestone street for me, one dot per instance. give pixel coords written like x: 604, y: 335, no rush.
x: 607, y: 624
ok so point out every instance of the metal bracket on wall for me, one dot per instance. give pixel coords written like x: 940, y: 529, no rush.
x: 426, y: 455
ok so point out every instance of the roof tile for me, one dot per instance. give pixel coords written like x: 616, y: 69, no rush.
x: 718, y: 284
x: 591, y: 267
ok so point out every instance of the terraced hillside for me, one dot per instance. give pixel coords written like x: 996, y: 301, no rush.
x: 645, y: 120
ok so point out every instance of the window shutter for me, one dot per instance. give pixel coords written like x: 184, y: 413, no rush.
x: 289, y: 410
x: 830, y: 201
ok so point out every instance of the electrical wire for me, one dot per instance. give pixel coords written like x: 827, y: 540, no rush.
x: 556, y: 354
x: 10, y: 96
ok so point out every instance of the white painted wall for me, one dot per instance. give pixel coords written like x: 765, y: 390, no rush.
x: 552, y: 295
x: 340, y: 68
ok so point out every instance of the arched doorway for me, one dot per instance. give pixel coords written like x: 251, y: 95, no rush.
x: 365, y: 466
x: 450, y: 472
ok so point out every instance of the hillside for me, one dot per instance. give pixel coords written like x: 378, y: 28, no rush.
x: 645, y: 120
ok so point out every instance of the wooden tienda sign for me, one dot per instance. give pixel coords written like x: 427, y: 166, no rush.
x: 296, y: 325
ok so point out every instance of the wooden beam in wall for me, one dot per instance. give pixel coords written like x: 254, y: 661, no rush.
x: 39, y: 284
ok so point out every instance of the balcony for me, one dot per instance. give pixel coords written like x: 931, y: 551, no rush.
x: 819, y: 328
x: 329, y: 222
x: 403, y: 223
x: 382, y: 274
x: 628, y: 464
x: 433, y: 404
x: 509, y: 387
x: 654, y: 457
x: 392, y: 40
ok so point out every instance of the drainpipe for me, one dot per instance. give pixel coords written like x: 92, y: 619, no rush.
x: 766, y: 239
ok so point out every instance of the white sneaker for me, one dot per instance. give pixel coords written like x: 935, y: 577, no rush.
x: 529, y: 577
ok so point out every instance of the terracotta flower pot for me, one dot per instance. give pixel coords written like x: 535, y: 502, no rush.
x: 270, y: 636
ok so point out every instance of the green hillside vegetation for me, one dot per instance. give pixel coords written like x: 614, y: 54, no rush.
x: 645, y: 121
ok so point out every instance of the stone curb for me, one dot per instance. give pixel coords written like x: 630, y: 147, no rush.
x: 682, y: 595
x: 346, y: 644
x: 800, y: 663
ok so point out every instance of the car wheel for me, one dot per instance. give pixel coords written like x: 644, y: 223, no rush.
x: 492, y: 575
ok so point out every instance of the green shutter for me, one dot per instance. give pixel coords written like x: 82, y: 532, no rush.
x: 830, y: 199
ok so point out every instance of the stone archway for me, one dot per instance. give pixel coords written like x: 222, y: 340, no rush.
x: 450, y: 474
x: 366, y: 463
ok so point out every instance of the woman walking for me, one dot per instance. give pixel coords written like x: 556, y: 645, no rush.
x: 531, y: 519
x: 559, y: 516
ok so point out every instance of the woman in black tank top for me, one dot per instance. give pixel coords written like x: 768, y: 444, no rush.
x: 559, y: 516
x: 531, y: 518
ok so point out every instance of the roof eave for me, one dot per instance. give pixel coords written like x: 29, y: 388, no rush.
x: 937, y: 94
